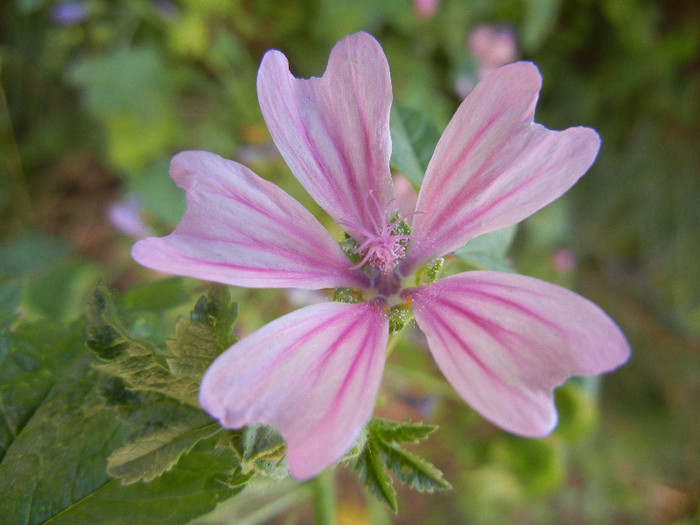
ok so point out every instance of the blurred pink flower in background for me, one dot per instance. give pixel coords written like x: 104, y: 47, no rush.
x: 125, y: 216
x: 425, y: 8
x: 492, y: 47
x: 564, y: 261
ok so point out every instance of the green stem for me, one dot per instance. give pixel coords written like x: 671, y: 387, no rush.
x: 324, y: 498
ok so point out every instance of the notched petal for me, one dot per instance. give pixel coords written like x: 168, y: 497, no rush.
x: 505, y: 341
x: 242, y: 230
x: 494, y: 166
x: 333, y: 131
x: 312, y: 374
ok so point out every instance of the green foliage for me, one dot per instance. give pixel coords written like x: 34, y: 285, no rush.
x: 489, y: 251
x: 155, y: 389
x: 55, y: 432
x: 130, y: 90
x: 381, y: 450
x: 413, y: 139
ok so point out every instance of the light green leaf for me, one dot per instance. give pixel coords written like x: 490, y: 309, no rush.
x: 413, y: 138
x: 165, y: 430
x: 404, y: 432
x: 490, y: 250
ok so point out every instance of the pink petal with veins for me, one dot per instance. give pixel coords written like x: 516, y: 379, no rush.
x: 242, y: 230
x: 333, y: 131
x: 493, y: 166
x: 312, y: 374
x: 505, y: 341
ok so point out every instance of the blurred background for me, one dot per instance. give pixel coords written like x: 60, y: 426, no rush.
x: 97, y: 95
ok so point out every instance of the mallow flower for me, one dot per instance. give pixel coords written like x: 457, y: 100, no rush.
x: 504, y: 341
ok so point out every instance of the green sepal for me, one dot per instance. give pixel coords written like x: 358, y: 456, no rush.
x: 347, y: 295
x: 400, y: 315
x: 430, y: 272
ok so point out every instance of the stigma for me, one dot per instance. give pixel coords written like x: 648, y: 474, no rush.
x: 382, y: 245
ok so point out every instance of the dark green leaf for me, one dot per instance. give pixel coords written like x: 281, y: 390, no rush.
x: 373, y: 474
x: 32, y: 359
x: 412, y: 470
x: 190, y: 489
x: 58, y: 457
x: 413, y: 138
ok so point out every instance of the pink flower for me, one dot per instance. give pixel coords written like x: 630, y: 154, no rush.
x: 503, y: 341
x: 425, y: 8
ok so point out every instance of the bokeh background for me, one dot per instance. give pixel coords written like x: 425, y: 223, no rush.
x: 97, y: 95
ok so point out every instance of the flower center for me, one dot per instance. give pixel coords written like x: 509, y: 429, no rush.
x: 383, y: 245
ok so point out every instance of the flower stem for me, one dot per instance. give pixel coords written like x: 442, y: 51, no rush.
x: 324, y: 498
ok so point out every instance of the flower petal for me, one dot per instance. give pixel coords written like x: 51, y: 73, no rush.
x: 312, y: 374
x: 504, y: 341
x: 333, y: 131
x: 242, y: 230
x: 493, y: 166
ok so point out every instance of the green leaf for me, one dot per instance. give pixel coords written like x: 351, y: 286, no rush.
x: 380, y: 450
x: 373, y: 474
x: 190, y: 489
x: 260, y: 449
x: 411, y: 469
x: 175, y: 372
x: 58, y: 457
x: 490, y: 250
x: 60, y: 295
x: 404, y: 432
x: 155, y: 391
x: 165, y: 430
x: 158, y: 295
x: 413, y: 137
x: 32, y: 358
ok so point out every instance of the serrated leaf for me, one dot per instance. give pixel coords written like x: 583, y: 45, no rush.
x: 165, y: 430
x: 175, y: 372
x: 413, y: 137
x: 32, y: 358
x: 260, y: 449
x: 411, y: 469
x: 400, y: 432
x: 109, y: 334
x: 58, y: 457
x: 193, y: 487
x: 374, y: 476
